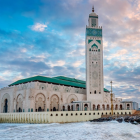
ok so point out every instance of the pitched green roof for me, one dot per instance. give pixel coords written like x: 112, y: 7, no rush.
x: 49, y: 80
x: 105, y: 90
x: 70, y: 79
x: 56, y: 80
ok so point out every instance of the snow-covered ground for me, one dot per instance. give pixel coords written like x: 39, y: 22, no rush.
x: 70, y: 131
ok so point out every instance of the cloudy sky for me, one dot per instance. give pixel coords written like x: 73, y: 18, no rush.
x: 47, y: 37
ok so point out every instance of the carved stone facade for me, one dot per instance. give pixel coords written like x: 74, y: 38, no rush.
x: 38, y: 96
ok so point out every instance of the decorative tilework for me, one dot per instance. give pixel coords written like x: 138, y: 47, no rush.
x: 93, y: 32
x: 31, y: 109
x: 98, y: 50
x: 99, y: 41
x: 90, y: 49
x: 28, y: 109
x: 94, y: 45
x: 93, y: 22
x: 23, y: 110
x: 90, y: 40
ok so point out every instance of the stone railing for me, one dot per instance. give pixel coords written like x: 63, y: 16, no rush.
x: 56, y: 117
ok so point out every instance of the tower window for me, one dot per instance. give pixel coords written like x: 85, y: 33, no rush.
x: 90, y: 92
x: 99, y: 92
x: 95, y: 92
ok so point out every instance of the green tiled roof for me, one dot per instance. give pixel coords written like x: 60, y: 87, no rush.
x: 49, y: 80
x: 56, y: 80
x: 70, y: 79
x: 105, y: 90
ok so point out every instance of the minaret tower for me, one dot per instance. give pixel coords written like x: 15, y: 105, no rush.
x: 94, y: 60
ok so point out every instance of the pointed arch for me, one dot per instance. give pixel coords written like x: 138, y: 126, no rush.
x: 19, y: 103
x: 5, y: 105
x: 54, y: 100
x: 40, y: 102
x: 71, y: 98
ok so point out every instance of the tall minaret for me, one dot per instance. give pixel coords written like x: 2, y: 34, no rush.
x: 94, y: 60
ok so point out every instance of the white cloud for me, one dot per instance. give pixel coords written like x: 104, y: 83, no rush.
x: 39, y: 58
x: 77, y: 63
x: 24, y: 50
x: 57, y: 63
x: 7, y: 72
x: 39, y: 27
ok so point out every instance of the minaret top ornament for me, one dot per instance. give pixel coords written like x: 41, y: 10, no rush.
x: 92, y: 8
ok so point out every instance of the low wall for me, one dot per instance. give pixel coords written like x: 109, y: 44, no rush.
x: 56, y: 117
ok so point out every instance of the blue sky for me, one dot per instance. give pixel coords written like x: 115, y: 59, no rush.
x: 47, y: 37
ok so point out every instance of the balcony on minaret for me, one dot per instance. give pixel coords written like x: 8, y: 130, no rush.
x: 93, y: 19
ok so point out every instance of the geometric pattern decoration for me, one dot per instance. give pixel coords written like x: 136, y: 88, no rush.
x: 93, y: 32
x: 94, y: 65
x: 95, y: 75
x: 99, y: 41
x: 93, y: 22
x: 90, y: 40
x: 94, y: 45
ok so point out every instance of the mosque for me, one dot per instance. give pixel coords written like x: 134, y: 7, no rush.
x: 39, y: 93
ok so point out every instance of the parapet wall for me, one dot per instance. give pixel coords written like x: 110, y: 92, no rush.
x: 56, y: 117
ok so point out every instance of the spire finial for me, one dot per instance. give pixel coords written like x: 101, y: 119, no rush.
x: 93, y: 8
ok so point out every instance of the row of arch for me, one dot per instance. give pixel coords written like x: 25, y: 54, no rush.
x: 107, y: 107
x: 76, y: 107
x: 40, y: 102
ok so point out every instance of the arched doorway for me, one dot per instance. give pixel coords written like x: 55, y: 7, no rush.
x: 128, y: 106
x: 71, y: 107
x: 19, y: 103
x: 39, y: 109
x: 54, y: 103
x: 5, y: 103
x: 98, y: 107
x: 63, y: 108
x: 6, y: 106
x: 107, y: 107
x: 120, y: 107
x: 19, y: 110
x: 116, y: 107
x: 40, y: 102
x: 54, y: 109
x: 77, y: 107
x: 86, y: 107
x: 103, y: 107
x: 94, y: 107
x: 68, y: 108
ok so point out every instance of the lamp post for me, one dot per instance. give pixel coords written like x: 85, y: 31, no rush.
x: 111, y: 99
